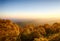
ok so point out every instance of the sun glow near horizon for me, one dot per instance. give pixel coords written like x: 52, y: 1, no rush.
x: 32, y: 15
x: 30, y: 9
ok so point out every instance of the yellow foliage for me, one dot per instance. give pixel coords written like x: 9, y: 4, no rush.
x: 8, y: 29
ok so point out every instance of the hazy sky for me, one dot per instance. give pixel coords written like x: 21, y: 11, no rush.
x: 30, y: 9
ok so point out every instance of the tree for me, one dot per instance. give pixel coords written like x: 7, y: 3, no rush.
x: 8, y: 30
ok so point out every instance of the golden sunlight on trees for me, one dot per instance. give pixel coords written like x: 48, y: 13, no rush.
x: 54, y: 37
x: 8, y: 30
x: 40, y: 39
x: 44, y: 32
x: 40, y: 29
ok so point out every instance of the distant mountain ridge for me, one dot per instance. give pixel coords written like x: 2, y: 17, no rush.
x: 35, y: 21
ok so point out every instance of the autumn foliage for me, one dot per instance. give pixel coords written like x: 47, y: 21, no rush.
x: 44, y: 32
x: 10, y: 31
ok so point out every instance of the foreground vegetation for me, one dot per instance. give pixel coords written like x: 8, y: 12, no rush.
x: 10, y: 31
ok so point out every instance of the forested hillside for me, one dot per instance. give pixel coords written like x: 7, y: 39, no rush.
x: 10, y: 31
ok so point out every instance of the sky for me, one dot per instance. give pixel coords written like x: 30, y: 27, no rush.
x: 29, y: 9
